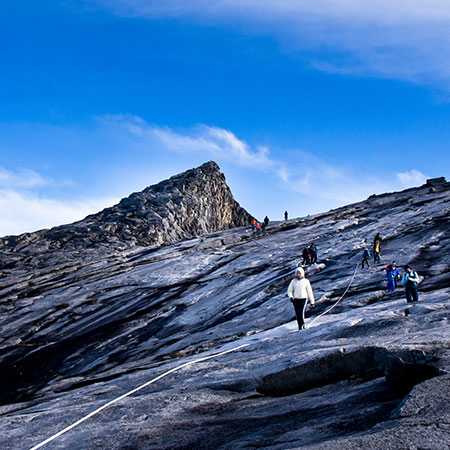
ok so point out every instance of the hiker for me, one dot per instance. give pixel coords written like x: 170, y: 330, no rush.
x: 299, y: 291
x: 377, y: 248
x: 285, y: 215
x: 255, y: 226
x: 265, y: 223
x: 392, y: 274
x: 313, y: 253
x: 410, y: 280
x: 365, y: 260
x: 306, y: 255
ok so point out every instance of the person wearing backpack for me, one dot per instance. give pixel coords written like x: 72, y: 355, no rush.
x: 365, y: 260
x: 299, y: 292
x: 410, y: 280
x: 306, y: 255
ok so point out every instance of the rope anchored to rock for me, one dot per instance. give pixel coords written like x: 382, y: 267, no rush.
x: 338, y: 300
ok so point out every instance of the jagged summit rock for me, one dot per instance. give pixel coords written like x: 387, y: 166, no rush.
x: 187, y: 205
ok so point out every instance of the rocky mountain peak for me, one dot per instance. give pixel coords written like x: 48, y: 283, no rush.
x: 186, y: 205
x: 193, y: 203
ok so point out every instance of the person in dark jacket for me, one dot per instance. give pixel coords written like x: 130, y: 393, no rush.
x: 306, y: 255
x: 285, y: 215
x: 410, y: 280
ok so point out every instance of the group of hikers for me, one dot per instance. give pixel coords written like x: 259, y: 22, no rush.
x: 376, y: 249
x: 300, y: 290
x: 257, y: 227
x: 410, y: 279
x: 309, y: 255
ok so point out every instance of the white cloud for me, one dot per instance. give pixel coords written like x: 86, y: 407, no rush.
x: 412, y: 178
x: 214, y: 142
x: 319, y: 180
x: 22, y: 178
x: 23, y: 207
x: 27, y: 211
x: 217, y: 142
x: 406, y: 39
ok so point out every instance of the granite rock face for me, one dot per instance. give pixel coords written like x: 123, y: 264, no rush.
x: 374, y: 372
x: 191, y: 204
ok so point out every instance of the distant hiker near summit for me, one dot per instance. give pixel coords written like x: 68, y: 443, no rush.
x: 299, y: 291
x: 410, y: 280
x: 285, y: 215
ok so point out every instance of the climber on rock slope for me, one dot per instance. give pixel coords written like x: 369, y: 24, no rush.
x: 299, y: 292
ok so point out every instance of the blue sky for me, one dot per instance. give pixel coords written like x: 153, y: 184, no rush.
x: 305, y: 105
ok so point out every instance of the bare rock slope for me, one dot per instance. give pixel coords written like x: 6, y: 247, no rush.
x: 372, y: 373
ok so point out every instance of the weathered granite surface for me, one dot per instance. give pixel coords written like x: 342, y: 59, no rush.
x: 373, y: 373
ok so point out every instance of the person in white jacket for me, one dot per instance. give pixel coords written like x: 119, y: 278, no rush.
x: 299, y: 291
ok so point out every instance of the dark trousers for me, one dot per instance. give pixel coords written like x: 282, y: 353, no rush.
x: 376, y: 257
x: 299, y: 306
x: 411, y: 293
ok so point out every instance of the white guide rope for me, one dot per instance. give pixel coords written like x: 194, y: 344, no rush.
x: 93, y: 413
x: 254, y: 240
x: 339, y: 299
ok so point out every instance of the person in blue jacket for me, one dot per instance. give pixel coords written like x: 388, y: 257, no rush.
x: 410, y: 280
x: 365, y: 260
x: 392, y: 274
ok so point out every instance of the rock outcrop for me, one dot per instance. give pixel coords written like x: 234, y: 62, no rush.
x: 187, y: 205
x: 371, y: 373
